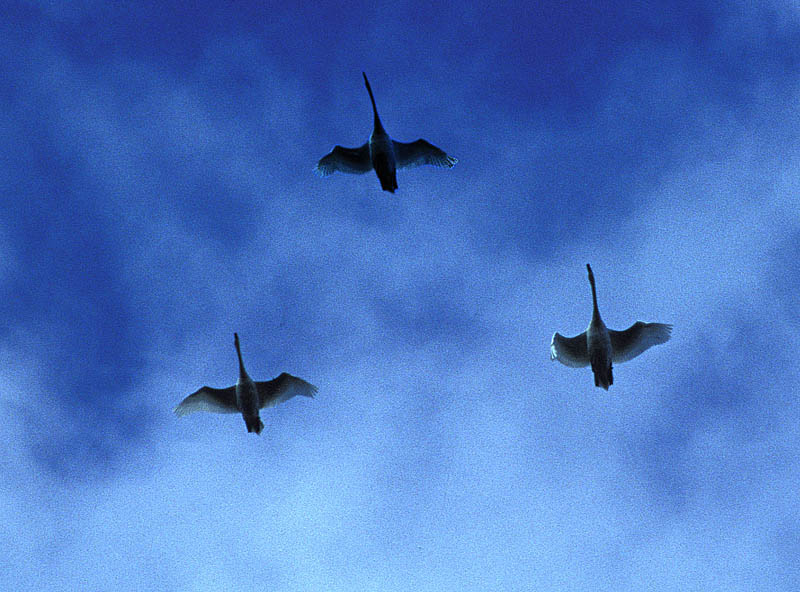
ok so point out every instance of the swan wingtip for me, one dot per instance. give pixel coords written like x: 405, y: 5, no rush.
x: 553, y: 352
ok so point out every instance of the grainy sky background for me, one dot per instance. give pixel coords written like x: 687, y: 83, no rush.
x: 158, y: 195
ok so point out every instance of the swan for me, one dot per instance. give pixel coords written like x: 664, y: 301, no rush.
x: 600, y: 346
x: 382, y: 154
x: 247, y: 396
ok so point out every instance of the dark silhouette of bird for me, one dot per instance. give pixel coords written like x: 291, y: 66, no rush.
x: 382, y: 154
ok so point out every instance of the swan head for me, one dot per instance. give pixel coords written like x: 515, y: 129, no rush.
x: 591, y: 275
x: 236, y: 340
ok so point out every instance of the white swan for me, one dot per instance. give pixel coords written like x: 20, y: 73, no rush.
x: 600, y: 346
x: 382, y: 154
x: 247, y: 397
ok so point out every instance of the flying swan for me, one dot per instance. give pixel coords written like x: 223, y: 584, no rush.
x: 382, y: 154
x: 600, y: 346
x: 247, y: 397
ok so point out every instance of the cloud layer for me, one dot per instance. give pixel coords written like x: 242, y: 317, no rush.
x: 161, y: 197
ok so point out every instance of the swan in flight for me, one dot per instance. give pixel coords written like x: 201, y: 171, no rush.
x: 382, y: 154
x: 600, y: 346
x: 247, y: 396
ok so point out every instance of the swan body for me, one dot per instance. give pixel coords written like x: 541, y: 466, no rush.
x: 382, y: 154
x: 601, y: 347
x: 246, y: 396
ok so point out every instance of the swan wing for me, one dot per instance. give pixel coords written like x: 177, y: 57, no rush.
x: 345, y: 160
x: 628, y: 344
x: 570, y: 351
x: 283, y: 388
x: 209, y: 399
x: 419, y: 153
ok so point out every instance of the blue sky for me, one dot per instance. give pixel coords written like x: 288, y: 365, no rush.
x: 158, y: 195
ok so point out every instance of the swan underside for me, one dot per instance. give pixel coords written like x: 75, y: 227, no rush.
x: 269, y: 393
x: 600, y: 346
x: 356, y: 161
x: 625, y: 345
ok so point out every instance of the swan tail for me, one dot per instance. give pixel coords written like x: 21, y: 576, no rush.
x: 386, y: 170
x: 603, y: 374
x: 603, y: 380
x: 388, y: 181
x: 254, y: 423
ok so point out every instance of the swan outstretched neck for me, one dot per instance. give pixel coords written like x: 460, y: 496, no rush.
x: 377, y: 123
x: 246, y: 396
x: 242, y: 371
x: 599, y: 346
x: 382, y: 154
x: 595, y: 310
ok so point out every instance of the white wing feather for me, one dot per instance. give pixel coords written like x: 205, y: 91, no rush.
x: 570, y: 351
x: 284, y: 387
x: 637, y: 338
x: 209, y: 399
x: 346, y: 160
x: 419, y: 153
